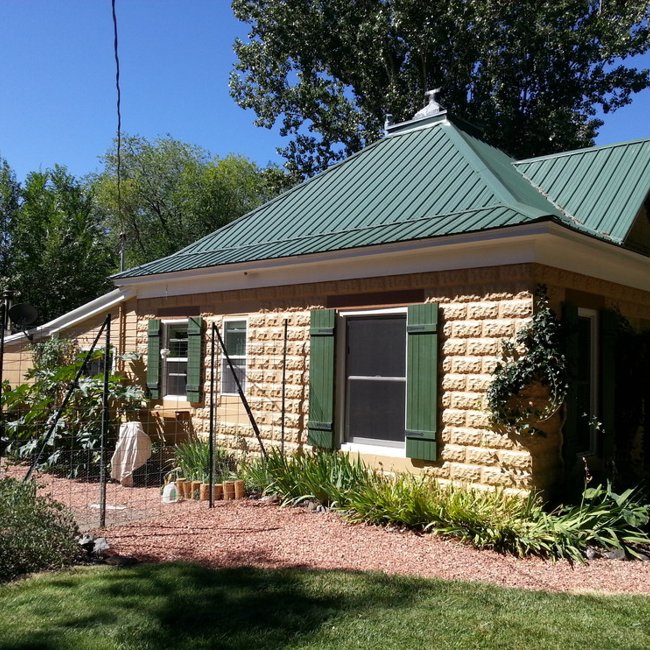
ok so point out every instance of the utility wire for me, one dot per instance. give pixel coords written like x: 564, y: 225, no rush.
x: 122, y: 244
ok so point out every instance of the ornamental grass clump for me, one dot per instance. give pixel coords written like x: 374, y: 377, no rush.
x: 36, y: 532
x: 321, y: 476
x: 192, y: 461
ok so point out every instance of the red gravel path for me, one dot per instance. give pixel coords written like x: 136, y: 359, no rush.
x: 260, y: 534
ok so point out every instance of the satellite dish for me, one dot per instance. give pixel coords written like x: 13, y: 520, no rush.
x: 23, y: 314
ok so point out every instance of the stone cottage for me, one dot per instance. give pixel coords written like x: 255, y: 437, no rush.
x: 364, y: 309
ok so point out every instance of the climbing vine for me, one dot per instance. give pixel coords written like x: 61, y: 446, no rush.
x: 532, y: 358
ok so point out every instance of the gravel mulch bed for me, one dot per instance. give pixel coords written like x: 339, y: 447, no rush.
x: 261, y: 534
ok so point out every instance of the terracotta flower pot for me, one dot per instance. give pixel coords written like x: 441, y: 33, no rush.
x: 217, y: 492
x: 240, y: 489
x: 205, y: 492
x: 180, y: 487
x: 229, y: 490
x: 196, y: 489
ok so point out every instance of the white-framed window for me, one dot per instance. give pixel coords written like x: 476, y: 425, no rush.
x: 173, y: 353
x: 235, y: 341
x: 587, y: 383
x: 372, y: 375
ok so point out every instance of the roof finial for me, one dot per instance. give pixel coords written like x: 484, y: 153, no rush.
x: 432, y: 108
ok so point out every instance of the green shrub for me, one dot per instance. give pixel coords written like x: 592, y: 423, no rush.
x: 36, y: 532
x: 192, y: 461
x: 485, y: 518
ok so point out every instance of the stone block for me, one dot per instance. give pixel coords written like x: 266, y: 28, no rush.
x: 466, y: 400
x: 454, y: 382
x: 519, y: 460
x: 479, y: 347
x: 516, y: 309
x: 454, y: 311
x: 482, y: 310
x: 477, y: 419
x: 467, y: 437
x: 453, y: 453
x: 477, y: 383
x: 454, y: 347
x: 466, y: 329
x: 497, y: 328
x: 480, y: 456
x: 466, y: 365
x: 453, y: 417
x: 465, y: 473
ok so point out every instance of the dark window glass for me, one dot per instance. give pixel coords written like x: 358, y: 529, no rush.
x: 235, y: 341
x: 176, y: 377
x: 235, y: 337
x: 376, y: 346
x: 376, y: 378
x: 229, y: 385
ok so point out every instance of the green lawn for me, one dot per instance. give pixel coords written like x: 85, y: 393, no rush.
x: 177, y: 606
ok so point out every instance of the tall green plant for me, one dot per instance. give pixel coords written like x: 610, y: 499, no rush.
x: 192, y: 461
x: 30, y: 409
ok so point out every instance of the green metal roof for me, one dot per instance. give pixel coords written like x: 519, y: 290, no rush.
x: 601, y: 188
x: 414, y: 184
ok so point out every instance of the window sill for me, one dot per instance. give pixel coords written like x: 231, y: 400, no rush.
x: 375, y: 450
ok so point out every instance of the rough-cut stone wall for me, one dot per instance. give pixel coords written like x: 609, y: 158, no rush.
x: 479, y: 308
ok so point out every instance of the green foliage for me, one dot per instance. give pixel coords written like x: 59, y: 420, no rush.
x: 323, y: 476
x: 61, y: 257
x: 192, y: 461
x: 9, y: 204
x: 484, y: 518
x: 533, y: 358
x: 36, y: 532
x: 30, y: 409
x: 531, y: 74
x: 174, y: 193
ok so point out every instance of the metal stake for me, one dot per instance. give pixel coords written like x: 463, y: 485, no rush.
x: 105, y: 422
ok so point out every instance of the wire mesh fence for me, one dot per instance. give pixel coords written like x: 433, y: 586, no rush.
x: 168, y: 440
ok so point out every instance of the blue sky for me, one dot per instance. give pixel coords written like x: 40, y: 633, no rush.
x: 57, y: 92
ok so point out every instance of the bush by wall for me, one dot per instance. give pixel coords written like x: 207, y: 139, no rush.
x: 36, y: 532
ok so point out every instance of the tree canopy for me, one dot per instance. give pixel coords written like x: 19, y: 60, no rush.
x: 173, y: 193
x: 531, y: 74
x: 59, y: 254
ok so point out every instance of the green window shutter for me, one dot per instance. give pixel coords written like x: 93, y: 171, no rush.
x: 422, y: 381
x: 194, y: 358
x: 607, y: 351
x: 153, y: 358
x: 321, y: 378
x: 571, y: 352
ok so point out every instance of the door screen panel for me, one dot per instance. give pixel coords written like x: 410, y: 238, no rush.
x: 376, y: 379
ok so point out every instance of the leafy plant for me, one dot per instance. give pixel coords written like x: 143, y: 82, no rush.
x: 532, y: 358
x: 484, y: 518
x: 35, y: 532
x: 323, y: 476
x: 30, y: 409
x: 192, y: 461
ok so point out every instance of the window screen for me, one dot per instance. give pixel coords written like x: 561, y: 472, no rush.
x: 234, y: 339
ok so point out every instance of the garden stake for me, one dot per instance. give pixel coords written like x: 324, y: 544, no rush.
x: 105, y: 414
x: 211, y: 454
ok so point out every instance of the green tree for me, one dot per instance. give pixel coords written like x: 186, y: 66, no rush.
x: 9, y: 203
x: 60, y: 253
x: 530, y: 73
x: 173, y: 193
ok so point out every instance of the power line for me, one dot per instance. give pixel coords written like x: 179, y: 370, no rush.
x: 122, y: 244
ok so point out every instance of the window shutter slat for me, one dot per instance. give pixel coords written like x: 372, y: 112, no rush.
x: 571, y: 349
x: 422, y: 381
x: 194, y: 358
x: 321, y: 378
x: 153, y: 358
